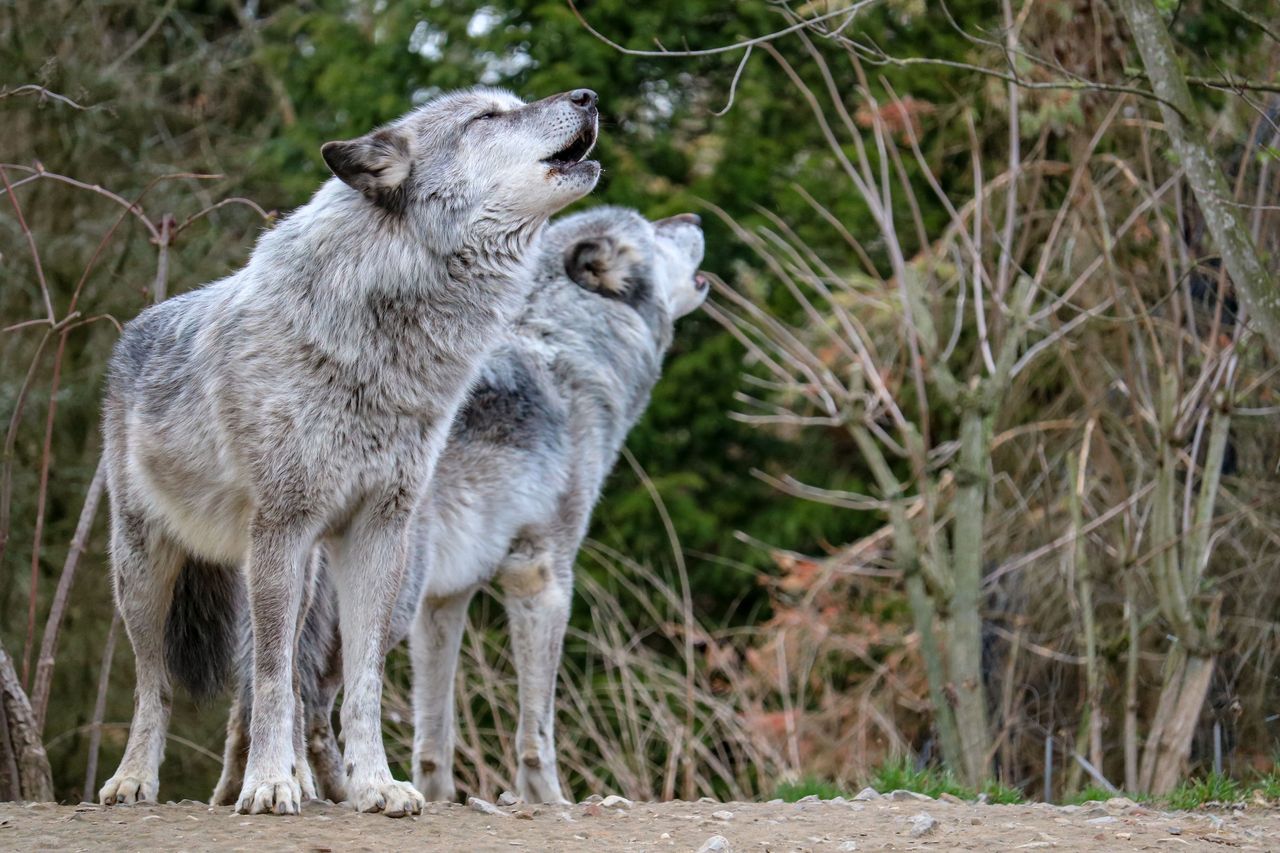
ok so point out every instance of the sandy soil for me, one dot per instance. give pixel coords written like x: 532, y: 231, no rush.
x: 893, y: 822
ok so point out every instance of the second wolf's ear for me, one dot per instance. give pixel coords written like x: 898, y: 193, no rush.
x: 376, y: 164
x: 603, y: 265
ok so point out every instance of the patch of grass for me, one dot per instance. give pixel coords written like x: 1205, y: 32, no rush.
x: 1002, y: 794
x: 1214, y: 788
x: 792, y: 791
x: 1091, y: 793
x: 1268, y: 785
x: 901, y: 775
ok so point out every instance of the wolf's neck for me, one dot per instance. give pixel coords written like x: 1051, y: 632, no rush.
x: 373, y: 296
x: 605, y: 362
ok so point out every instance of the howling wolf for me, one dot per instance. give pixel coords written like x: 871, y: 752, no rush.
x: 303, y: 402
x: 514, y: 490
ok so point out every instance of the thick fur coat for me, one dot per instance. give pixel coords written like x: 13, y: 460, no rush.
x: 526, y: 458
x: 303, y: 402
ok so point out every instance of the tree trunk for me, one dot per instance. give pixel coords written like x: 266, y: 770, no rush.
x: 924, y: 613
x: 964, y: 645
x: 26, y: 766
x: 1131, y: 688
x: 1164, y: 760
x: 1258, y: 290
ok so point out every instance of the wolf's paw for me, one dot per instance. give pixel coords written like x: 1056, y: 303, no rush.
x: 436, y: 786
x: 393, y: 799
x: 539, y: 785
x: 279, y: 796
x: 306, y: 780
x: 224, y: 794
x: 124, y: 789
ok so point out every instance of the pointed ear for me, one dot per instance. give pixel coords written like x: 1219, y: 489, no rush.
x: 603, y: 265
x: 377, y: 165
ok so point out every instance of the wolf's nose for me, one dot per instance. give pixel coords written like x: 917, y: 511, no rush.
x: 584, y: 98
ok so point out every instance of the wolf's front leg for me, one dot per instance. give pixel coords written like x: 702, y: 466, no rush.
x: 367, y: 570
x: 144, y: 565
x: 277, y: 578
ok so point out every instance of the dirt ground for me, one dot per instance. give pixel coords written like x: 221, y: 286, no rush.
x: 893, y: 822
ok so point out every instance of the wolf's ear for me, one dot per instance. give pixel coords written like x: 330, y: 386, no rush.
x: 604, y: 265
x: 376, y: 164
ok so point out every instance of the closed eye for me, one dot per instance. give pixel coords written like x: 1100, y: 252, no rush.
x: 484, y: 116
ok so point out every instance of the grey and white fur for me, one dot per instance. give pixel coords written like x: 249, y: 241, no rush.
x: 302, y: 402
x: 515, y: 487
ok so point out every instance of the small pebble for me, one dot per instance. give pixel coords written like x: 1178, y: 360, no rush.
x: 866, y: 794
x: 484, y: 807
x: 506, y: 798
x: 715, y: 844
x: 722, y: 815
x: 846, y: 846
x: 922, y: 824
x: 1099, y: 821
x: 613, y: 801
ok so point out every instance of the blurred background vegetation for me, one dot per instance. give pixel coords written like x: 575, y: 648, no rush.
x: 247, y: 91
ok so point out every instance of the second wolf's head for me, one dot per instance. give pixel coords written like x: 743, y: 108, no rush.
x: 478, y: 158
x: 619, y: 255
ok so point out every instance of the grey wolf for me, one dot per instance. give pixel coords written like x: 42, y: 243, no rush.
x: 513, y: 494
x: 303, y: 401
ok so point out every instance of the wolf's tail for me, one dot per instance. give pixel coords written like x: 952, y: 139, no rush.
x: 202, y: 633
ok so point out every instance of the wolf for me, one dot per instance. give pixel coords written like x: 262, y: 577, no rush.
x: 303, y: 401
x: 526, y: 458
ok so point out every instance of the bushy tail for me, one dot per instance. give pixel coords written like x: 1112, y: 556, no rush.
x: 202, y: 633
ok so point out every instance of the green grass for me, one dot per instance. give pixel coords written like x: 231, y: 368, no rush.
x: 1002, y: 794
x: 1269, y: 785
x: 900, y: 775
x: 1090, y: 794
x: 1214, y: 788
x: 934, y: 782
x: 792, y: 791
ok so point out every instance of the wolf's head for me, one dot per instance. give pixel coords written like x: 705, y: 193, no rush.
x: 476, y: 157
x: 618, y: 254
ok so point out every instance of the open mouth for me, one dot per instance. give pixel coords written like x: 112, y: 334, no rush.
x: 576, y: 151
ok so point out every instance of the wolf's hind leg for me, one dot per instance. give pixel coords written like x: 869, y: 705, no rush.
x: 236, y: 751
x: 537, y: 598
x: 433, y: 648
x: 144, y: 565
x: 322, y: 744
x: 302, y: 764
